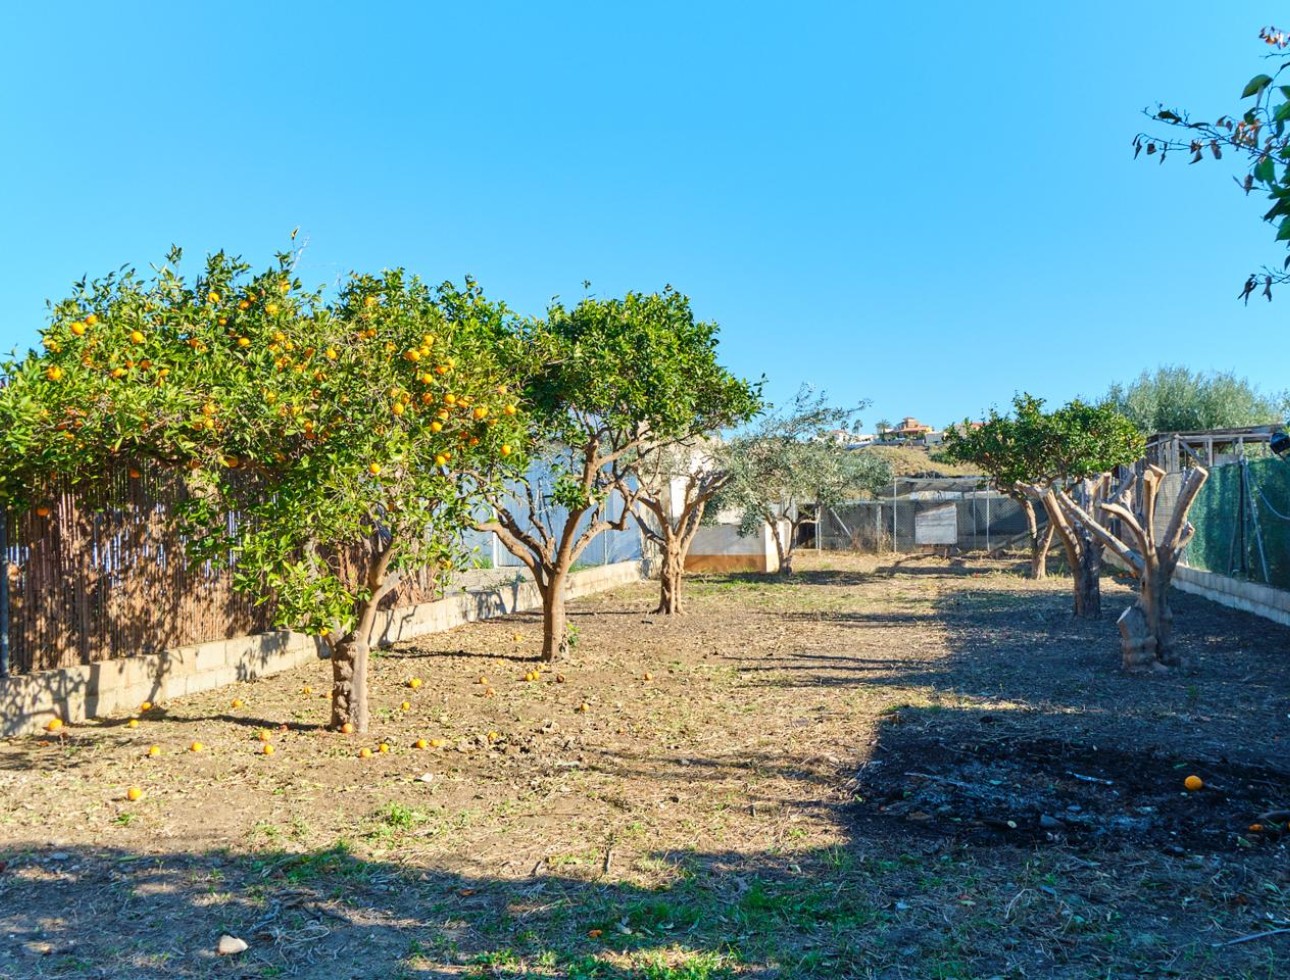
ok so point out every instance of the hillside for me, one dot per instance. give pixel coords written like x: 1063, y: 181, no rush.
x: 917, y: 461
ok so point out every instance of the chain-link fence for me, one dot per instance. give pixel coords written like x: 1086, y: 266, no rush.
x: 958, y: 520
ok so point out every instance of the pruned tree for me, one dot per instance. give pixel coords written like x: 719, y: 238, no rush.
x: 619, y: 376
x: 1038, y: 454
x: 1146, y: 627
x: 791, y: 466
x: 324, y: 443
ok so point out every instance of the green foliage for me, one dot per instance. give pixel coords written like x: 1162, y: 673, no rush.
x: 617, y: 375
x: 1175, y: 399
x: 793, y: 458
x: 621, y: 370
x: 1030, y: 446
x: 314, y: 436
x: 1257, y: 135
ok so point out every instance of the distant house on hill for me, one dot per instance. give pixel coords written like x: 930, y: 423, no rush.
x: 909, y: 428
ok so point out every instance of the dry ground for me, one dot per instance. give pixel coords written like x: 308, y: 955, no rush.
x: 923, y: 769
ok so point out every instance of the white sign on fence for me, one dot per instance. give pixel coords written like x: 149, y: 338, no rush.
x: 937, y: 525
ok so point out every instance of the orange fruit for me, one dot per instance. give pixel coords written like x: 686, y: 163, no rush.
x: 237, y: 703
x: 405, y: 706
x: 420, y: 743
x: 364, y: 753
x: 271, y: 308
x: 91, y: 320
x: 347, y: 728
x: 489, y: 692
x: 54, y: 725
x: 78, y: 328
x: 1193, y: 783
x: 441, y: 460
x: 136, y: 336
x: 146, y: 706
x: 398, y: 408
x: 438, y: 743
x: 212, y: 297
x: 262, y: 734
x: 584, y: 707
x: 307, y: 690
x: 509, y: 410
x: 483, y: 679
x: 481, y: 412
x: 383, y: 747
x: 414, y: 683
x: 506, y: 450
x: 374, y: 469
x: 196, y: 747
x: 54, y: 373
x: 266, y: 749
x: 154, y: 751
x: 134, y: 793
x: 648, y: 676
x: 132, y: 723
x: 135, y: 474
x: 243, y: 341
x: 42, y: 511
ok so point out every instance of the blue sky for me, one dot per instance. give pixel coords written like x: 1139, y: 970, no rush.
x: 930, y: 206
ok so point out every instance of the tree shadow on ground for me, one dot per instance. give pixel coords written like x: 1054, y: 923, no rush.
x: 113, y: 913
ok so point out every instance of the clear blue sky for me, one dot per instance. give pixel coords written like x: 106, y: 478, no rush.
x: 928, y: 205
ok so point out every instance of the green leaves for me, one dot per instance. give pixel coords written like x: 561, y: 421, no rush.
x: 1031, y: 446
x: 1256, y: 85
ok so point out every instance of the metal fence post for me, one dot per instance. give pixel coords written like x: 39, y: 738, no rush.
x: 4, y: 592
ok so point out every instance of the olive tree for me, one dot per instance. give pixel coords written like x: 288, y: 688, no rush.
x: 791, y: 465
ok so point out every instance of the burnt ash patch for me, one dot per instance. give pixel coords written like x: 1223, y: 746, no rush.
x: 1039, y: 792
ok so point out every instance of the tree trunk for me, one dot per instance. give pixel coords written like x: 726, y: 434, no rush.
x: 555, y: 635
x: 673, y: 571
x: 782, y: 551
x: 1146, y: 627
x: 1088, y: 577
x: 1040, y: 541
x: 349, y: 682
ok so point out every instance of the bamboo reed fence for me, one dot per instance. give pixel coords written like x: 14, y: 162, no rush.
x: 110, y: 579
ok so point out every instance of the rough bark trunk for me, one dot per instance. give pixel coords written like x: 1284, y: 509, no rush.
x: 1039, y: 557
x: 555, y: 635
x: 1040, y: 541
x: 670, y: 577
x: 1083, y: 554
x: 1146, y: 627
x: 1088, y: 577
x: 349, y: 682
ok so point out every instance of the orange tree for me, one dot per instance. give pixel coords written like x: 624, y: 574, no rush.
x: 619, y: 377
x: 328, y: 447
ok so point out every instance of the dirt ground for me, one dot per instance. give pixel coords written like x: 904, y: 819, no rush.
x: 921, y: 768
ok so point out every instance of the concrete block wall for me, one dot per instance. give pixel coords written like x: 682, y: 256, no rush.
x: 1262, y: 600
x: 74, y: 694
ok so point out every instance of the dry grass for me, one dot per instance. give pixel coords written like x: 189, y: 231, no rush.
x: 746, y: 810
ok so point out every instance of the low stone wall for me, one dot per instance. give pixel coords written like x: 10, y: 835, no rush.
x: 1262, y: 600
x: 28, y: 701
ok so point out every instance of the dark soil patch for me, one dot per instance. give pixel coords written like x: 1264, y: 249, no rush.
x: 1084, y: 797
